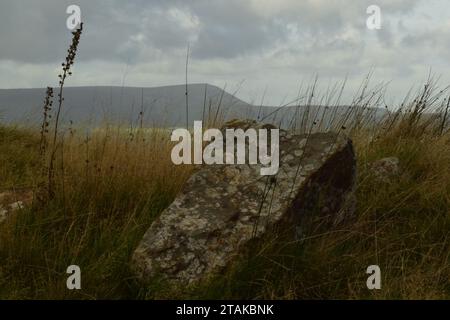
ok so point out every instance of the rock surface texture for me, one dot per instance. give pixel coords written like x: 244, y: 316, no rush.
x: 224, y: 207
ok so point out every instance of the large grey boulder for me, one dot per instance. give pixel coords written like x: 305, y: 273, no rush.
x: 222, y: 208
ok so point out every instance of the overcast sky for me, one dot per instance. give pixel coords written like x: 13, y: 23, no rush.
x: 273, y: 44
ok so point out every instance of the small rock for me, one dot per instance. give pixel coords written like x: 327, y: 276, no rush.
x: 16, y: 205
x: 3, y: 214
x: 386, y: 168
x: 12, y: 201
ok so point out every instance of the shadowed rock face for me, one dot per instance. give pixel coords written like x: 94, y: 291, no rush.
x: 223, y: 207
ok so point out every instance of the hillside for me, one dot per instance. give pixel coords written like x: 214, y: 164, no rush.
x: 93, y: 104
x: 162, y: 106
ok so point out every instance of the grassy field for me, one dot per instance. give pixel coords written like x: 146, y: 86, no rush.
x: 108, y: 188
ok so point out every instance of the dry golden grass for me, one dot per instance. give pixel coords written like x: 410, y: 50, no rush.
x: 110, y: 187
x: 111, y: 184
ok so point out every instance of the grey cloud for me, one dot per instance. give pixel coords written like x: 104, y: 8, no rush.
x: 128, y: 31
x: 229, y: 39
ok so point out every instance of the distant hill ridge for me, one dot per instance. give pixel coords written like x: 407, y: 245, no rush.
x: 161, y: 106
